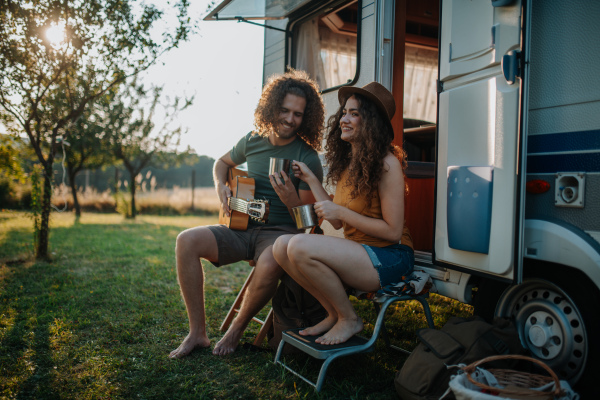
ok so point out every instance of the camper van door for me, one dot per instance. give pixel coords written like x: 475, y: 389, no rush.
x: 477, y: 177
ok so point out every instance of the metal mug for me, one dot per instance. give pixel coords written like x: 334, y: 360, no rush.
x: 305, y: 216
x: 276, y: 165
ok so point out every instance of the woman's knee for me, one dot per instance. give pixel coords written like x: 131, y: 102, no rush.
x: 299, y: 247
x: 280, y: 248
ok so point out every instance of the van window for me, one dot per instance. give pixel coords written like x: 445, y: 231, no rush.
x: 420, y: 75
x: 325, y: 45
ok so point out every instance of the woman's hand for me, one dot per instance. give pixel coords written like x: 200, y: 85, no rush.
x: 302, y: 172
x: 329, y: 211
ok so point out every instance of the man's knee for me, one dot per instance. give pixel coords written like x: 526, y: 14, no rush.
x: 199, y: 242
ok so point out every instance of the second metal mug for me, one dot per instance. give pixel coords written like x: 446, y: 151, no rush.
x: 305, y: 216
x: 276, y: 165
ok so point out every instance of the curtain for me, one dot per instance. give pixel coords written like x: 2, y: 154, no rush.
x: 308, y: 52
x: 328, y: 57
x: 338, y: 53
x: 420, y: 74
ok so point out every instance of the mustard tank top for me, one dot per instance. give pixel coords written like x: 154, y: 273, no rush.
x: 359, y: 205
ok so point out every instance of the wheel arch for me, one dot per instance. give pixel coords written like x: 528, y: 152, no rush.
x: 563, y: 245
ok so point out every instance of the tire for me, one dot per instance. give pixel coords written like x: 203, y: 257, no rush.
x: 486, y: 297
x: 557, y: 321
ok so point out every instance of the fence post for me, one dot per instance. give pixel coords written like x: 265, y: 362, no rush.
x: 193, y: 187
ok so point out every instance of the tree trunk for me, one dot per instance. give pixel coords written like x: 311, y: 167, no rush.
x: 44, y: 233
x: 76, y: 205
x: 133, y: 210
x: 116, y: 189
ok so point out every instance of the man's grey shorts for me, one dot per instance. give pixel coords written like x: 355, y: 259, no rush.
x: 236, y: 246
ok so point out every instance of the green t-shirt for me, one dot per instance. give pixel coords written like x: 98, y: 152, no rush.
x: 256, y: 151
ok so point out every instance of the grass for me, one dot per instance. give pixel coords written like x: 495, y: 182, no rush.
x: 99, y: 321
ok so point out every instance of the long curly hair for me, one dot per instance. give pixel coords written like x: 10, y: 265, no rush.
x: 372, y: 142
x: 299, y: 84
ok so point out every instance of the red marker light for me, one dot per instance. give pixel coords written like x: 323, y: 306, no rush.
x: 537, y: 186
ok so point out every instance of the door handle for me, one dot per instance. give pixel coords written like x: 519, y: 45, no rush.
x: 511, y: 66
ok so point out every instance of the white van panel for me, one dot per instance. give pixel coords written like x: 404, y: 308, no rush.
x: 274, y: 58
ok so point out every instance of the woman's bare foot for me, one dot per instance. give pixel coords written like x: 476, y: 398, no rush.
x: 319, y: 328
x: 343, y: 330
x: 229, y: 341
x: 190, y: 343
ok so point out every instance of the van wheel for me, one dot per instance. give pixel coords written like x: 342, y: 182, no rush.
x: 557, y: 324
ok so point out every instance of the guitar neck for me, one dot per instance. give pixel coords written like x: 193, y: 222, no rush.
x: 257, y: 209
x: 239, y: 205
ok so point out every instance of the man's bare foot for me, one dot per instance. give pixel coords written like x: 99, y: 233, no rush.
x: 189, y: 344
x: 229, y: 341
x: 343, y: 330
x: 319, y: 328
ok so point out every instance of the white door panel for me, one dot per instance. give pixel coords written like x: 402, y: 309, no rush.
x: 478, y: 138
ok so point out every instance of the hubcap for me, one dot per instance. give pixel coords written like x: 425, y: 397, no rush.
x: 550, y: 326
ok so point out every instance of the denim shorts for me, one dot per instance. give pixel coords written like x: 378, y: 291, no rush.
x: 391, y: 262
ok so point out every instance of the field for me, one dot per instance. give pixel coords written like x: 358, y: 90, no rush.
x: 176, y: 201
x: 99, y: 320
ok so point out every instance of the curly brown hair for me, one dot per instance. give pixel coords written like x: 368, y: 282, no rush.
x: 299, y: 84
x: 372, y: 142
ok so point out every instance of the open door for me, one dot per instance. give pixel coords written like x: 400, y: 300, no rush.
x: 477, y: 172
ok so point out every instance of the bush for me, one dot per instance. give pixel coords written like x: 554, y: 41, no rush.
x: 14, y: 196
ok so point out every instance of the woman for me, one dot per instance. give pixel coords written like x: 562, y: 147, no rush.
x: 369, y: 204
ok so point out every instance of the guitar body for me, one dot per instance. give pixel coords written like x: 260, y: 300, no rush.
x: 242, y: 187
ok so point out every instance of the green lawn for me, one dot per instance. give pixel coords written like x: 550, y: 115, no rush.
x: 100, y: 319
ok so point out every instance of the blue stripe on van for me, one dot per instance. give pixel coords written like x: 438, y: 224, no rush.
x: 567, y: 141
x: 582, y: 162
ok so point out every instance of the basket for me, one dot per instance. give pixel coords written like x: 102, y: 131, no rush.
x: 517, y: 384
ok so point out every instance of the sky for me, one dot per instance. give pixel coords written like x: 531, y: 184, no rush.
x: 222, y: 66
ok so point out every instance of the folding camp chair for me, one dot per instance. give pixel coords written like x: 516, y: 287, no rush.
x: 267, y: 323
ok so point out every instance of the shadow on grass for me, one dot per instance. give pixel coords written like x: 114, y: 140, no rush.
x: 25, y: 350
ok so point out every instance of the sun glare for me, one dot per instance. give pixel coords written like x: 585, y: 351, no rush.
x: 56, y: 34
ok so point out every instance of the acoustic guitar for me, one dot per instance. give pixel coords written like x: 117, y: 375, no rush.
x: 242, y: 204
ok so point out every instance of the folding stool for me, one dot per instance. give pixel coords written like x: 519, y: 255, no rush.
x: 354, y: 345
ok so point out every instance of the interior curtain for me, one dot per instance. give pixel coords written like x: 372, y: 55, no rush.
x: 308, y: 52
x: 420, y: 74
x: 338, y: 53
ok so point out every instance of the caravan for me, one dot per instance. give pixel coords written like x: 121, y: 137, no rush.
x: 501, y: 123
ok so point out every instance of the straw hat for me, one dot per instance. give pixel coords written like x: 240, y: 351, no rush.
x: 374, y: 91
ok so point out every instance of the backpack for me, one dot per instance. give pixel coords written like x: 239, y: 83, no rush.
x: 425, y: 375
x: 293, y: 307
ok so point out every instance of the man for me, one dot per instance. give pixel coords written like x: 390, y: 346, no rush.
x: 289, y: 120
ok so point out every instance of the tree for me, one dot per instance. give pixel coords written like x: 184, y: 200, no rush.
x: 131, y: 134
x: 58, y: 56
x: 84, y: 149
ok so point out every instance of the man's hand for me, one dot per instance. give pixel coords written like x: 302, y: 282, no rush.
x: 224, y: 194
x: 285, y: 190
x: 220, y: 170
